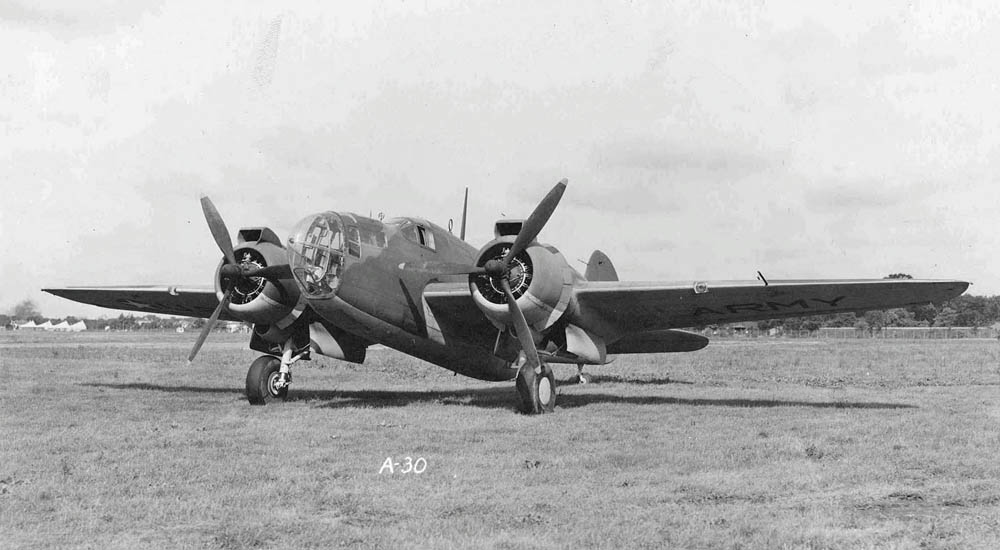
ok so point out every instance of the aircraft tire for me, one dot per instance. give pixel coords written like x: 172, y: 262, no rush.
x: 537, y: 391
x: 547, y: 390
x: 261, y: 377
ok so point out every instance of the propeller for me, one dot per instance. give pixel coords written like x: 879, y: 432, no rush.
x: 210, y: 324
x: 536, y: 221
x: 231, y: 272
x: 218, y: 228
x: 499, y: 269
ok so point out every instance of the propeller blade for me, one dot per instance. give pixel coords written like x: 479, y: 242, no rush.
x: 442, y: 268
x: 218, y: 229
x: 210, y: 324
x: 271, y: 272
x: 521, y: 327
x: 536, y: 221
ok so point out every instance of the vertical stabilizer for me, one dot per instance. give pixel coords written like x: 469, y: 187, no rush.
x: 600, y: 268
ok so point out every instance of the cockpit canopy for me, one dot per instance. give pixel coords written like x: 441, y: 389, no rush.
x: 316, y: 253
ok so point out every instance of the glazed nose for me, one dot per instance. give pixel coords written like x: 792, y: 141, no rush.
x: 316, y: 254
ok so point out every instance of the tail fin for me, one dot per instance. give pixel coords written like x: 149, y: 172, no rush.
x: 600, y: 268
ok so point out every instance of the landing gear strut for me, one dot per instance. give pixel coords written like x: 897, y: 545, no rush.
x: 269, y: 376
x: 536, y: 390
x: 580, y: 377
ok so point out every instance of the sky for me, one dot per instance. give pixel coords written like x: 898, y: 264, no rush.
x: 702, y: 140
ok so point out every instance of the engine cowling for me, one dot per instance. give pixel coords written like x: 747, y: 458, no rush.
x: 540, y: 280
x: 256, y: 299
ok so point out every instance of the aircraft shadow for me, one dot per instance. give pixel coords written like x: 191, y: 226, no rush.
x: 502, y: 397
x: 167, y: 389
x: 608, y: 379
x: 570, y: 401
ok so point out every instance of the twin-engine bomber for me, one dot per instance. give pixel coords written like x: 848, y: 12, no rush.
x: 342, y: 282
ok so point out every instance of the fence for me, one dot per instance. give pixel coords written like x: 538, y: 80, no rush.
x: 910, y: 333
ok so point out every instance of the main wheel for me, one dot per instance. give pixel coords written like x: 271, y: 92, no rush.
x: 537, y: 391
x: 262, y: 381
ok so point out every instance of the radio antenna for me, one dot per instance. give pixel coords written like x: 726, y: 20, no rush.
x: 465, y: 210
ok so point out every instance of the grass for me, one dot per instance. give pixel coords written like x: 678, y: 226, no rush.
x: 112, y: 441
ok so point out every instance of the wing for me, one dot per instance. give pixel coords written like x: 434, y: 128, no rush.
x: 168, y: 300
x: 619, y: 308
x: 454, y: 314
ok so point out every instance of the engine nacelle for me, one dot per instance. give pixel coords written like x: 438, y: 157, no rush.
x: 540, y: 280
x: 258, y: 300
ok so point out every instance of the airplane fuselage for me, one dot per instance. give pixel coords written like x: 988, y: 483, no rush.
x: 349, y: 268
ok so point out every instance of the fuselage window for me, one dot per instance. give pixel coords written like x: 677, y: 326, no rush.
x: 353, y: 242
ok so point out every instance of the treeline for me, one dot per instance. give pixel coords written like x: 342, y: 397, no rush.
x: 964, y: 311
x: 122, y: 322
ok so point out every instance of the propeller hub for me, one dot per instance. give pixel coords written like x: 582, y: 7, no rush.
x: 496, y: 268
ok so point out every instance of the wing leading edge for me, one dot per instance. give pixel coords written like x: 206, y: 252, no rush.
x: 624, y: 308
x: 167, y: 300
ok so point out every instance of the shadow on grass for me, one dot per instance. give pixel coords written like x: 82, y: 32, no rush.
x: 167, y: 389
x: 501, y: 397
x: 570, y: 401
x: 609, y: 379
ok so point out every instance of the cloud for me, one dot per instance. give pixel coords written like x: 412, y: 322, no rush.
x: 856, y: 197
x: 73, y: 19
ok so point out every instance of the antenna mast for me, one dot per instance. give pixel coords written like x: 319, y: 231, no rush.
x: 465, y: 210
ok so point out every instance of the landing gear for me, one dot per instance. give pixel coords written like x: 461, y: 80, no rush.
x: 536, y: 390
x: 580, y: 377
x: 264, y: 381
x: 269, y: 376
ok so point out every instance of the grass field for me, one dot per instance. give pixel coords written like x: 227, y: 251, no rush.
x: 112, y: 441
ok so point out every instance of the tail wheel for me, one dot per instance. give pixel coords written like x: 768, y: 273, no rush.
x: 262, y: 381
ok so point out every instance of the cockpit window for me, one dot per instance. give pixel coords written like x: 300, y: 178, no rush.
x: 316, y: 253
x: 353, y: 241
x: 425, y: 236
x: 414, y: 232
x: 371, y: 237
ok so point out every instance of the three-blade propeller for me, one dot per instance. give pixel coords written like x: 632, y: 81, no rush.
x: 231, y: 273
x: 499, y: 270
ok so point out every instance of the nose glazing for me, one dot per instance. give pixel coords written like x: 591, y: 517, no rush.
x: 316, y: 254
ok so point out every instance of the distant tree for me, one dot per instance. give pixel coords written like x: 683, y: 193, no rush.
x: 971, y: 311
x: 26, y: 309
x: 946, y: 317
x: 899, y: 276
x: 924, y: 315
x: 811, y: 324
